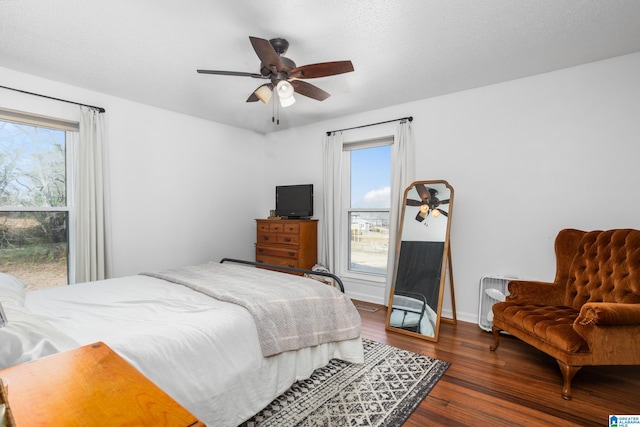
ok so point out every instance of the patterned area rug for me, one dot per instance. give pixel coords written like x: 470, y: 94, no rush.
x: 381, y: 392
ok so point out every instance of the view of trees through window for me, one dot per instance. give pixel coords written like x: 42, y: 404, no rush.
x: 34, y: 214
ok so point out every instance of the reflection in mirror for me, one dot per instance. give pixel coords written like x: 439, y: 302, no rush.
x: 415, y: 302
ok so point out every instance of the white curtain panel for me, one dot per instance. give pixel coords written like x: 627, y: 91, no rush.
x: 91, y: 238
x: 331, y: 179
x: 402, y: 175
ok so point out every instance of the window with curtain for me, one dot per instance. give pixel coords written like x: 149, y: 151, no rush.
x: 35, y: 198
x: 367, y: 200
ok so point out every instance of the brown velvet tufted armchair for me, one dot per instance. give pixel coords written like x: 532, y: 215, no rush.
x: 590, y: 314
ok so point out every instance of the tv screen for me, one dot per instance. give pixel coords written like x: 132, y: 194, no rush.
x: 294, y: 201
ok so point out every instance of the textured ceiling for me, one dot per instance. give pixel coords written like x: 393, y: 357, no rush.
x: 148, y: 50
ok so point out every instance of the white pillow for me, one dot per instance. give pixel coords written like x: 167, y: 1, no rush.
x: 28, y: 336
x: 12, y: 290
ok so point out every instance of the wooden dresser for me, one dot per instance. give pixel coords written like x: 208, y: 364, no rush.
x: 287, y: 242
x: 89, y: 386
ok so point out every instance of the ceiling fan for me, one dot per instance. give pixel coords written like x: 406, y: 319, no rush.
x: 428, y: 202
x: 284, y: 74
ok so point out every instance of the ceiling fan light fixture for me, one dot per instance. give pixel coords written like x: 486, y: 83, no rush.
x: 263, y: 93
x: 285, y: 93
x: 285, y: 102
x: 422, y: 213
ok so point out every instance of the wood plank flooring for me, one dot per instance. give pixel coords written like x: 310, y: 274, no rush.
x: 517, y: 385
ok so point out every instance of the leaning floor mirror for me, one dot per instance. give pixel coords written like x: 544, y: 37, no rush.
x: 423, y: 260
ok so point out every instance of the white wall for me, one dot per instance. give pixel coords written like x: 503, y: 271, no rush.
x: 526, y: 158
x: 183, y: 190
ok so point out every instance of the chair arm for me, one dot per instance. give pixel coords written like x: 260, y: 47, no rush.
x: 609, y: 314
x: 538, y: 292
x: 611, y: 331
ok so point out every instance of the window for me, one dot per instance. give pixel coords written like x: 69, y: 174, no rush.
x: 367, y: 199
x: 34, y: 198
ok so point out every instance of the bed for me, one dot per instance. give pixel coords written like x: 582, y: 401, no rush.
x: 209, y: 353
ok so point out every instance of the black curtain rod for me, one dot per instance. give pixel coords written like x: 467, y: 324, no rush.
x: 371, y: 124
x: 100, y: 109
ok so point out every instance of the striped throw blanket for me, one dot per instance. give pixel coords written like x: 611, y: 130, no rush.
x: 291, y: 312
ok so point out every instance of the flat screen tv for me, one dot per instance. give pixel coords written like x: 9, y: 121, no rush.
x: 294, y: 201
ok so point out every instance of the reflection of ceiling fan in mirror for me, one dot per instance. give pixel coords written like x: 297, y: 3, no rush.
x: 284, y: 74
x: 428, y: 203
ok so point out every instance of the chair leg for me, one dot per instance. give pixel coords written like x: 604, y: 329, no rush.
x: 496, y: 337
x: 568, y: 372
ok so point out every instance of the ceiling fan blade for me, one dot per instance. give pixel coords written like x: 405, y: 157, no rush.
x: 443, y: 202
x: 232, y: 73
x: 424, y: 194
x: 253, y: 97
x: 307, y: 89
x: 414, y: 203
x: 267, y: 54
x: 443, y: 212
x: 322, y: 69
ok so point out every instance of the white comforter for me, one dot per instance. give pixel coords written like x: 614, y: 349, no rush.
x: 205, y: 353
x: 291, y: 312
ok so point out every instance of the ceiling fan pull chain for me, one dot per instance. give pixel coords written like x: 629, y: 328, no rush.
x: 273, y: 106
x: 276, y: 106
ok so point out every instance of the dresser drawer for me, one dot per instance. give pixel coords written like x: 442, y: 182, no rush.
x: 291, y: 228
x: 277, y: 252
x: 286, y: 262
x: 289, y: 239
x: 276, y: 227
x: 278, y: 238
x: 270, y: 238
x: 271, y: 227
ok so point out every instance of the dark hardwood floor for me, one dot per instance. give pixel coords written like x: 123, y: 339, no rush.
x: 516, y: 385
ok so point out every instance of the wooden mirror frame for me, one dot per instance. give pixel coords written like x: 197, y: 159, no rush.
x: 416, y: 305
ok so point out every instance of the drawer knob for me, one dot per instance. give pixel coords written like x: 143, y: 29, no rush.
x: 292, y: 253
x: 260, y: 250
x: 287, y: 239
